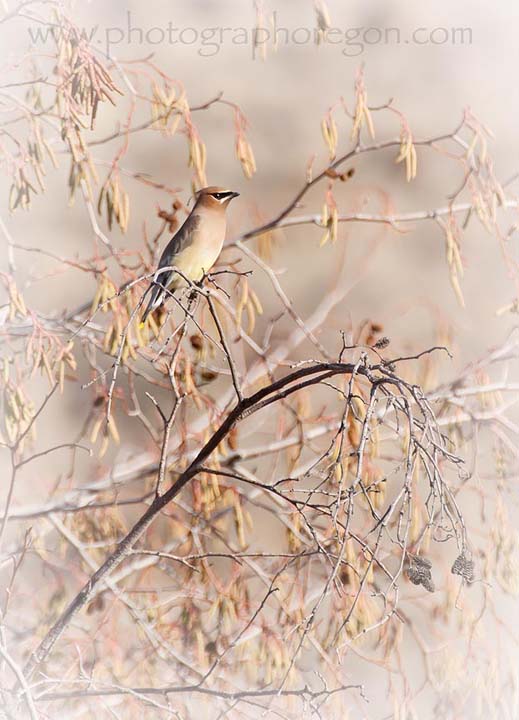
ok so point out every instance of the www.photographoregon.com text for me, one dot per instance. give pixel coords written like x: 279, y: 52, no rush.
x: 209, y: 41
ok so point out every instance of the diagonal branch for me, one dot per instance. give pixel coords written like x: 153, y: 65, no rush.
x: 279, y: 389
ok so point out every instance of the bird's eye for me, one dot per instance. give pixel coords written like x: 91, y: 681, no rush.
x: 223, y: 195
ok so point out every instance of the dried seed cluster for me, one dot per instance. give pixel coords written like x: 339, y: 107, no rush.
x: 329, y: 219
x: 250, y: 303
x: 419, y: 572
x: 407, y: 153
x: 114, y: 198
x: 168, y: 106
x: 244, y: 150
x: 362, y: 114
x: 464, y: 567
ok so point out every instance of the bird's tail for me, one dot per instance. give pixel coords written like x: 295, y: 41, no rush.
x: 156, y: 299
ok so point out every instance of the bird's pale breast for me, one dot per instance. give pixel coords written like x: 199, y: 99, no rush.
x: 197, y: 259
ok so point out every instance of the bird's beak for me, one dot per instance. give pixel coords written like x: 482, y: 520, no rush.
x: 235, y: 194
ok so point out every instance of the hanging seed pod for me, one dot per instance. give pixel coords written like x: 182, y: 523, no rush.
x: 330, y: 135
x: 362, y: 114
x: 256, y: 302
x: 245, y: 155
x: 324, y: 22
x: 251, y: 318
x: 407, y: 152
x: 242, y: 301
x: 244, y: 151
x: 324, y: 223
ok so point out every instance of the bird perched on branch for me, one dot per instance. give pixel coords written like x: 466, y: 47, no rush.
x: 195, y: 247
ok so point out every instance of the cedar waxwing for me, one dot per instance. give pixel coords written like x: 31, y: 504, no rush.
x: 196, y: 245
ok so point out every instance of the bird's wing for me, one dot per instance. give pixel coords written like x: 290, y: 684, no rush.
x: 180, y: 240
